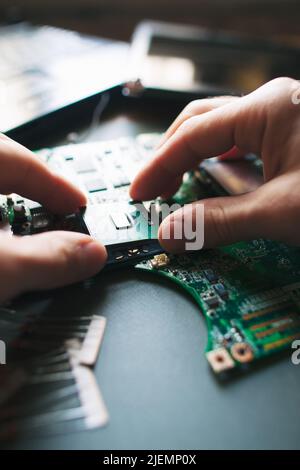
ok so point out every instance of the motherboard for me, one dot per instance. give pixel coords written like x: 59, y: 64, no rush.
x: 249, y: 292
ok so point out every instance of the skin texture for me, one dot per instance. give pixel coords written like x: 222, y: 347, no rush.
x: 265, y: 122
x: 51, y: 259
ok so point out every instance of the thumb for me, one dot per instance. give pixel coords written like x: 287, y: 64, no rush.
x: 225, y: 221
x: 47, y: 261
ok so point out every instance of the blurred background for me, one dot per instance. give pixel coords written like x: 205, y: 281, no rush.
x: 279, y: 19
x: 45, y: 69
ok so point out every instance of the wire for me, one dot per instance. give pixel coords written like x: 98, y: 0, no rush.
x: 74, y: 137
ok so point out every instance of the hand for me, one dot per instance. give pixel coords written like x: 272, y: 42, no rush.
x: 265, y: 122
x: 51, y: 259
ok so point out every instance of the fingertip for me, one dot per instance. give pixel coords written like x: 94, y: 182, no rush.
x: 81, y: 199
x: 166, y: 236
x: 66, y: 198
x: 139, y: 189
x: 133, y: 190
x: 149, y: 183
x: 74, y: 196
x: 233, y: 154
x: 93, y: 256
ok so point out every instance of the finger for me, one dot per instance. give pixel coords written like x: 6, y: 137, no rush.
x: 263, y: 213
x: 196, y: 108
x: 204, y: 136
x: 226, y: 220
x: 23, y: 172
x: 47, y: 261
x: 172, y: 188
x: 247, y: 122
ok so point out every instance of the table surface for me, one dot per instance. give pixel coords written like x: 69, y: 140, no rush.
x: 156, y: 383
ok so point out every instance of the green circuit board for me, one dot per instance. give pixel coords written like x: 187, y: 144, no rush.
x: 249, y: 294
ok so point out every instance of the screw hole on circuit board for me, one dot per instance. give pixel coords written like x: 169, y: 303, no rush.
x: 219, y: 358
x: 242, y: 352
x: 211, y: 314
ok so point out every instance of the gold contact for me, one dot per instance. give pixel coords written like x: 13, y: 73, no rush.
x: 264, y: 311
x: 160, y: 261
x: 276, y: 329
x: 220, y: 360
x: 286, y: 318
x: 242, y: 352
x: 280, y: 342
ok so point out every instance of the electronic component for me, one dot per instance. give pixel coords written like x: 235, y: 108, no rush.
x: 210, y: 299
x: 86, y: 353
x: 249, y: 292
x: 242, y: 352
x: 95, y: 185
x: 73, y: 402
x: 2, y: 213
x: 250, y: 312
x: 52, y: 391
x: 221, y: 290
x: 160, y: 261
x: 120, y: 220
x: 104, y: 171
x: 84, y: 165
x: 235, y: 177
x: 210, y: 275
x: 220, y: 360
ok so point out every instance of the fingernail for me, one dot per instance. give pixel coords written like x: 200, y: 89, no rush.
x: 232, y: 153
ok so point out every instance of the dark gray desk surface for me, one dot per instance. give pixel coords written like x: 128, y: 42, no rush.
x: 155, y: 380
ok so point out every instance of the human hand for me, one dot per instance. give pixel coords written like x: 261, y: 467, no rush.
x: 50, y: 259
x: 265, y: 122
